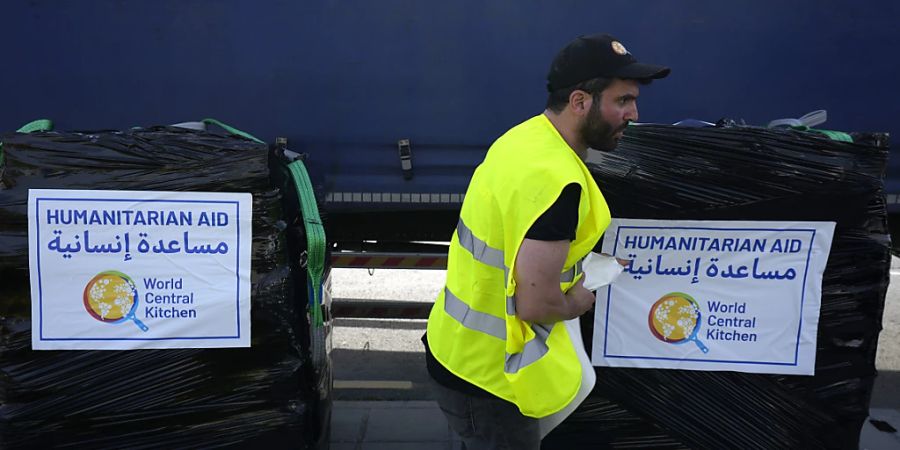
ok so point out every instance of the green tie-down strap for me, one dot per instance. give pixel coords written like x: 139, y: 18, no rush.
x: 37, y: 125
x: 232, y: 129
x: 30, y: 127
x: 315, y: 239
x: 833, y: 135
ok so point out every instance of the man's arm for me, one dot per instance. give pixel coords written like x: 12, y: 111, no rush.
x: 538, y: 297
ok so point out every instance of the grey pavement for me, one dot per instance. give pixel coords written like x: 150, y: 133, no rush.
x: 880, y: 431
x: 397, y: 425
x: 420, y: 425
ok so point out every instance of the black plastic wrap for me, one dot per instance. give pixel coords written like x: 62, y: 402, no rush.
x: 743, y: 173
x: 180, y: 398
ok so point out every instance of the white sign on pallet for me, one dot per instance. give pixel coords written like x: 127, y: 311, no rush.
x: 120, y: 270
x: 713, y: 295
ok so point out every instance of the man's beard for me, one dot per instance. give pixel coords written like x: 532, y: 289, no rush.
x: 597, y: 133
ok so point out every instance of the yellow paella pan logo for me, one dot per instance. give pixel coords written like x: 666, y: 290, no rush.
x: 111, y: 297
x: 675, y: 319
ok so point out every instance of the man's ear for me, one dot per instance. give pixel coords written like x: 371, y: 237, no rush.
x: 580, y: 102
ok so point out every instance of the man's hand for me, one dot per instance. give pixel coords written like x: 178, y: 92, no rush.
x: 622, y: 262
x: 580, y: 298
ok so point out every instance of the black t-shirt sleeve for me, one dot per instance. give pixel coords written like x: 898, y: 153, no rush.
x: 559, y: 222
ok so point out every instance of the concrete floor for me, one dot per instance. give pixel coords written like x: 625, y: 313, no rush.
x: 407, y: 425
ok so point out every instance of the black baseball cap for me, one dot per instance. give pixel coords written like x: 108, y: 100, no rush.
x: 598, y: 55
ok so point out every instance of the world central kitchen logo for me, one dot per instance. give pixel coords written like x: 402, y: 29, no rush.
x: 112, y: 297
x: 676, y: 319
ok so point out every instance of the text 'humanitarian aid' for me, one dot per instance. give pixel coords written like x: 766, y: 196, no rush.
x: 121, y: 270
x: 713, y: 295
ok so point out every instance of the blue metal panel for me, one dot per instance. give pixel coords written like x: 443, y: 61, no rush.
x: 348, y: 78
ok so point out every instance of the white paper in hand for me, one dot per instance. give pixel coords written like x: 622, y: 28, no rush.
x: 600, y: 270
x: 588, y: 380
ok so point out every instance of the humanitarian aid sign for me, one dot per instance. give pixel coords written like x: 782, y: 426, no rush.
x: 713, y: 295
x: 119, y: 270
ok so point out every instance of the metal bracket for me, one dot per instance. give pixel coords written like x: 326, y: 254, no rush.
x: 290, y: 156
x: 304, y: 259
x: 405, y: 158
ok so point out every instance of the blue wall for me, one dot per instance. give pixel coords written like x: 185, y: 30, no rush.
x: 454, y: 73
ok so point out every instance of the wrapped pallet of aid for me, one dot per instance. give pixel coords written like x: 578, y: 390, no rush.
x: 149, y: 296
x: 749, y: 313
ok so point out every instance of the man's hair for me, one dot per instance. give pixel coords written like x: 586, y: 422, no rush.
x: 558, y: 99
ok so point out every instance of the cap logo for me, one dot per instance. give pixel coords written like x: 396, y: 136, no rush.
x: 619, y: 48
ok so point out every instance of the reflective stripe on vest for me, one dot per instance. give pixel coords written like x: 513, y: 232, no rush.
x: 569, y: 275
x: 471, y: 319
x: 478, y: 248
x: 511, y: 305
x: 493, y: 257
x: 533, y: 351
x: 495, y: 326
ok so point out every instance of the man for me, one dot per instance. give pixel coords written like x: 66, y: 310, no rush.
x: 495, y: 344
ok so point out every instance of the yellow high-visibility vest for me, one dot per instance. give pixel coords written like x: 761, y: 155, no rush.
x: 473, y: 329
